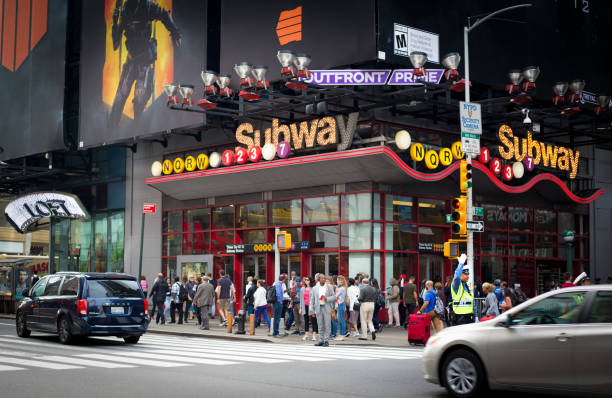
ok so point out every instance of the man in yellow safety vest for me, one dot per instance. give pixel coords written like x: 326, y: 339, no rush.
x: 463, y: 297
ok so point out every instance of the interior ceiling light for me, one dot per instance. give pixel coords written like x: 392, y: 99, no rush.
x: 418, y: 60
x: 559, y: 88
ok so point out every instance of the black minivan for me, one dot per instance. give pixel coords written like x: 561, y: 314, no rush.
x: 85, y: 304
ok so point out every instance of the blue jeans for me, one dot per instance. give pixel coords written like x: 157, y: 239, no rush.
x: 375, y: 317
x: 341, y: 320
x: 291, y: 319
x: 250, y: 310
x: 160, y: 312
x: 278, y: 312
x: 262, y: 310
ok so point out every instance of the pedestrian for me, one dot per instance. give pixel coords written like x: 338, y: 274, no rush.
x: 463, y: 298
x: 35, y: 279
x: 553, y: 285
x: 394, y: 298
x: 168, y: 302
x: 334, y: 313
x: 378, y: 305
x: 224, y: 294
x: 143, y: 285
x: 321, y: 304
x: 190, y: 286
x: 341, y: 297
x: 447, y: 291
x: 203, y: 299
x: 367, y: 298
x: 353, y: 294
x: 567, y: 277
x: 287, y: 310
x: 429, y: 306
x: 178, y: 299
x: 305, y: 297
x: 158, y: 293
x: 295, y: 294
x: 260, y: 303
x: 509, y: 300
x: 402, y: 306
x: 491, y: 307
x: 249, y: 299
x: 277, y: 305
x: 410, y: 298
x: 198, y: 314
x: 154, y: 306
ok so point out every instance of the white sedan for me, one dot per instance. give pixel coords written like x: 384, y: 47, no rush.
x: 558, y: 342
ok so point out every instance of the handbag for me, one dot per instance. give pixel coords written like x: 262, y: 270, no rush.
x: 356, y: 306
x: 334, y: 314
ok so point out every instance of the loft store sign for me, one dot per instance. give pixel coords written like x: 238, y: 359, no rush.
x: 548, y: 155
x: 324, y: 131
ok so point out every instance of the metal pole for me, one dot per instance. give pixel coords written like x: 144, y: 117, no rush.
x: 142, y: 223
x: 276, y: 254
x: 468, y: 207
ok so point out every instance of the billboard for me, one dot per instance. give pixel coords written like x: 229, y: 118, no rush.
x: 550, y: 34
x: 32, y: 53
x: 333, y: 33
x: 130, y: 49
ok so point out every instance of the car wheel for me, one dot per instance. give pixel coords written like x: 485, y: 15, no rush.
x: 20, y: 325
x: 63, y: 330
x: 463, y: 374
x: 131, y: 339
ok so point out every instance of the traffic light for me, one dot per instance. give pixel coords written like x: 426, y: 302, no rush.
x: 459, y: 215
x: 465, y: 176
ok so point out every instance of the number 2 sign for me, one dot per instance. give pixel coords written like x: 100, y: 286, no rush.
x: 495, y: 166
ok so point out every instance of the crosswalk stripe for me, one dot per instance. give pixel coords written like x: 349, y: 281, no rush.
x: 85, y: 362
x: 132, y: 360
x: 174, y: 358
x: 4, y: 368
x: 191, y: 353
x: 37, y: 364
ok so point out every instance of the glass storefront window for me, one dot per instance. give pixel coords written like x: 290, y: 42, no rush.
x: 80, y: 244
x: 400, y: 237
x: 544, y: 245
x: 100, y: 243
x: 493, y: 243
x: 397, y: 264
x: 171, y: 245
x: 172, y: 221
x: 219, y: 239
x: 357, y: 236
x: 431, y: 235
x: 286, y: 212
x: 196, y: 243
x: 399, y: 208
x: 520, y: 245
x: 296, y: 234
x: 495, y: 216
x: 289, y: 263
x: 223, y: 217
x: 197, y: 220
x: 324, y: 236
x: 169, y: 267
x: 357, y: 207
x: 519, y: 218
x: 254, y: 236
x: 432, y: 211
x: 492, y: 268
x: 252, y: 215
x: 359, y: 262
x: 545, y: 221
x: 431, y: 267
x: 321, y: 210
x: 522, y: 272
x: 115, y: 242
x: 566, y: 222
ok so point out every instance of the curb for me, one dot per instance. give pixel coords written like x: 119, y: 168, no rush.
x: 7, y: 316
x: 209, y: 336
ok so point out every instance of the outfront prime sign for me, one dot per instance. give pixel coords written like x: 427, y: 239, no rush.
x: 373, y: 77
x: 26, y: 210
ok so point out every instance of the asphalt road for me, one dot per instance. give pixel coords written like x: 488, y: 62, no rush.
x: 167, y: 366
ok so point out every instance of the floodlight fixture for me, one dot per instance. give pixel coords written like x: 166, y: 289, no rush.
x: 302, y: 61
x: 530, y: 74
x: 603, y: 102
x: 209, y: 78
x: 576, y: 87
x: 418, y: 60
x: 171, y: 91
x: 516, y: 77
x: 223, y: 81
x: 287, y: 60
x: 260, y: 71
x: 451, y: 62
x: 559, y: 88
x: 243, y: 70
x: 186, y: 90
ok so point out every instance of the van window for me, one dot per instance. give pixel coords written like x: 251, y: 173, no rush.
x: 97, y: 288
x: 52, y: 286
x: 38, y: 288
x: 70, y: 287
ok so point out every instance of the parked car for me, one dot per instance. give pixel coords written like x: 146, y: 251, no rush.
x: 559, y: 342
x: 84, y: 304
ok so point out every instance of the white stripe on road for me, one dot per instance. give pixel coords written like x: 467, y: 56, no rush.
x: 4, y: 368
x: 132, y: 360
x: 85, y: 362
x: 174, y: 358
x: 197, y: 354
x: 38, y: 364
x: 8, y: 324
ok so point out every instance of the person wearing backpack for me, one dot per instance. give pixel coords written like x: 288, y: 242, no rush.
x: 179, y: 294
x: 261, y: 303
x: 431, y: 305
x: 394, y: 300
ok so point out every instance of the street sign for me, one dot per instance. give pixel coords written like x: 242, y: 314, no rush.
x: 470, y: 143
x: 477, y: 211
x: 475, y: 226
x: 149, y: 208
x: 470, y: 118
x: 449, y: 218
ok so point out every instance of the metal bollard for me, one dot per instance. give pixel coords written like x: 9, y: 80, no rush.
x: 229, y: 322
x: 252, y: 324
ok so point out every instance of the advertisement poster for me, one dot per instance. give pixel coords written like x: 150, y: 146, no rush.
x: 32, y: 53
x: 130, y: 49
x: 334, y: 33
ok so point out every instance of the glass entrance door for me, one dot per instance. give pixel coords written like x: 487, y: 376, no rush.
x: 253, y: 266
x: 431, y: 267
x: 324, y: 264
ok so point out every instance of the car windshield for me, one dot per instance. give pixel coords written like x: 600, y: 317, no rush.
x: 97, y: 288
x: 558, y: 309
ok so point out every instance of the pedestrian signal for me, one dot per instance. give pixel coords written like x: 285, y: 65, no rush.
x: 283, y: 241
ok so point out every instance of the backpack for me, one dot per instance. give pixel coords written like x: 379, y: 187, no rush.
x: 439, y: 307
x: 380, y: 300
x: 182, y: 296
x: 271, y: 294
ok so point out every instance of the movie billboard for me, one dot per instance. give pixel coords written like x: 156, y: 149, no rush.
x: 32, y: 53
x: 130, y: 49
x: 334, y: 33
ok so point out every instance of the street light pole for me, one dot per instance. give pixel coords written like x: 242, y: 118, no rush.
x: 468, y: 208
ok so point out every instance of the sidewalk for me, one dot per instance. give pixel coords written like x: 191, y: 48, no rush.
x: 390, y: 336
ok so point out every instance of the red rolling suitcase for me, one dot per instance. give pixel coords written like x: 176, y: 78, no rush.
x: 419, y: 329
